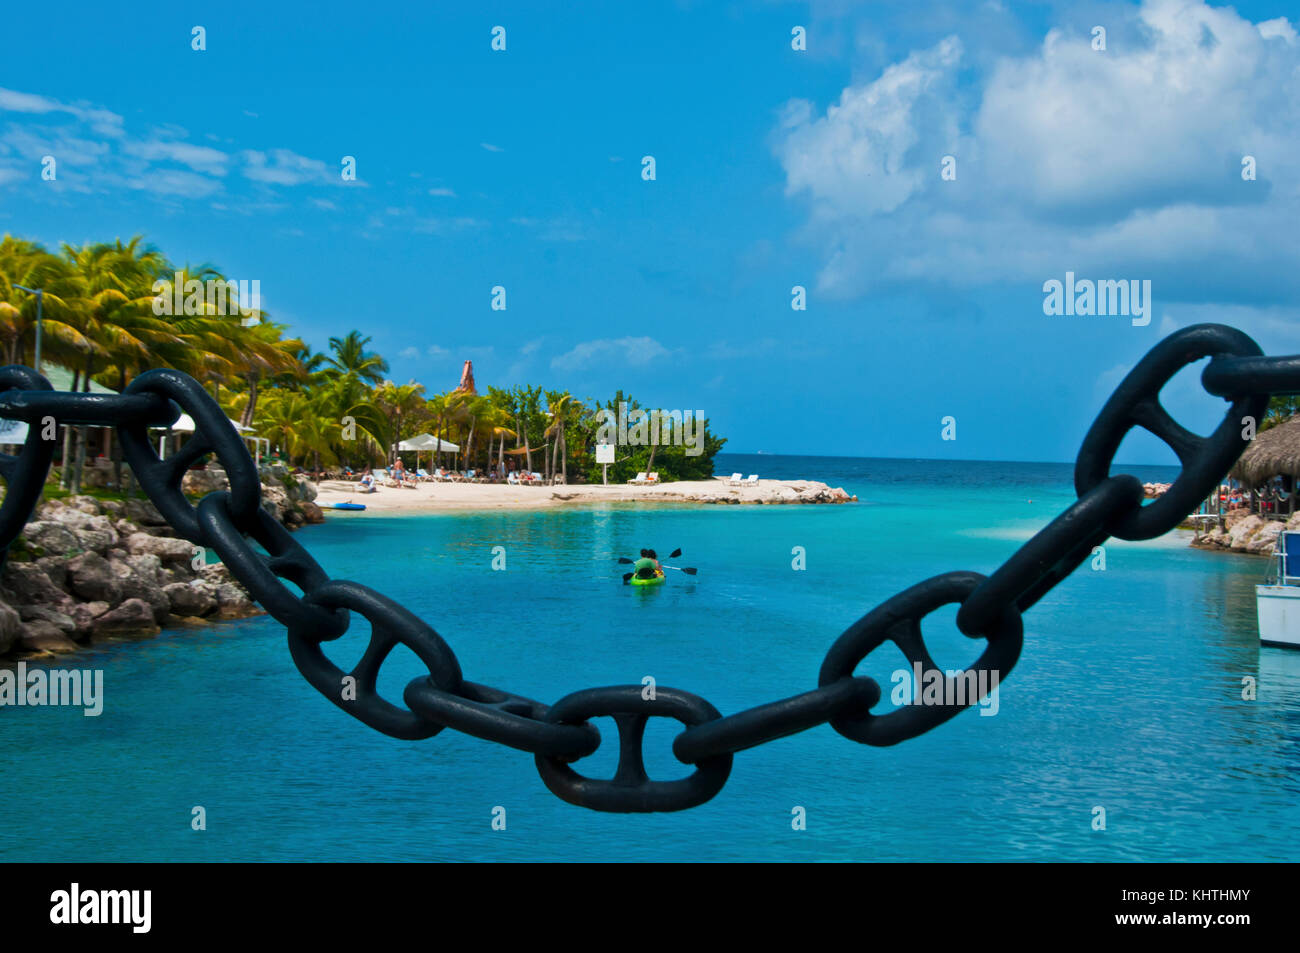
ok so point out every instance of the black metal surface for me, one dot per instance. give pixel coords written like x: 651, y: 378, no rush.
x: 631, y: 790
x: 232, y: 522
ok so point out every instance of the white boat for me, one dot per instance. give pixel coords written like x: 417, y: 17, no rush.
x: 1278, y: 600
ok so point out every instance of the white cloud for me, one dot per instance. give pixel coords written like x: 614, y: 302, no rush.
x: 199, y: 158
x: 1125, y: 162
x: 285, y: 167
x: 855, y: 159
x: 631, y: 351
x: 101, y: 121
x: 442, y: 193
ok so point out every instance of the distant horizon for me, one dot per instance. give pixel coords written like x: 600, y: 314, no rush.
x: 827, y: 456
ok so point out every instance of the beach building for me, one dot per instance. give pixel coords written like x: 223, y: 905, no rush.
x: 1269, y: 468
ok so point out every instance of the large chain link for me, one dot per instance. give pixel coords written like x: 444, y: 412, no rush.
x: 989, y: 607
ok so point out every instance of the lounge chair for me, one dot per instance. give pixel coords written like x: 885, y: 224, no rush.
x: 751, y: 480
x: 653, y: 477
x: 423, y: 475
x: 512, y: 478
x: 735, y: 480
x: 638, y: 479
x: 367, y: 484
x: 386, y: 478
x: 538, y: 478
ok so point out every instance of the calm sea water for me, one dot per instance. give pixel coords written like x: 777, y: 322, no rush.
x: 1127, y: 696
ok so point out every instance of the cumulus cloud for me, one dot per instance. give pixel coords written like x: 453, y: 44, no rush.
x: 199, y: 158
x: 101, y: 121
x: 629, y: 350
x: 1127, y: 161
x: 94, y: 154
x: 285, y: 167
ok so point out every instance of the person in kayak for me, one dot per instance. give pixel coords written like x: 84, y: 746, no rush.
x: 647, y: 567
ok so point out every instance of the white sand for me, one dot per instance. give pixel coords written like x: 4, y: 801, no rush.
x: 492, y: 496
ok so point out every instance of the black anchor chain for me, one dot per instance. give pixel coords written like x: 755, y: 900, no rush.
x: 233, y: 522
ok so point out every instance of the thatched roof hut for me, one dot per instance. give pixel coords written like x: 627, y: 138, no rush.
x: 1275, y: 452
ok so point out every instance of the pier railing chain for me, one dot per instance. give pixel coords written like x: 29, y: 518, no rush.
x: 990, y: 607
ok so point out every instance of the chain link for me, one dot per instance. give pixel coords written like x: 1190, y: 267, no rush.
x: 989, y: 607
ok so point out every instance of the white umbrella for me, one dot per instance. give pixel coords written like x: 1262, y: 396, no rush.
x: 423, y: 442
x: 427, y: 441
x: 185, y: 424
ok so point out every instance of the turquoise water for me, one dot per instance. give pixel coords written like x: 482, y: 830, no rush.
x: 1127, y: 696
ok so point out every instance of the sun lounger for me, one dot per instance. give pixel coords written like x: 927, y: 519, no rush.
x: 386, y: 478
x: 751, y: 480
x: 638, y: 479
x: 735, y: 480
x: 653, y: 477
x: 423, y: 475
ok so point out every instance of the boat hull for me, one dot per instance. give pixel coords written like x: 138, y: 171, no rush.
x: 1279, y: 615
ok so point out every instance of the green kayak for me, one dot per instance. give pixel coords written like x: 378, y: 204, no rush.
x: 656, y: 580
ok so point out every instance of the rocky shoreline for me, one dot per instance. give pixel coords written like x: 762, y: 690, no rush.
x: 1244, y: 532
x: 86, y: 571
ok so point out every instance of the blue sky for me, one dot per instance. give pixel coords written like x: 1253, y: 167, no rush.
x: 775, y: 168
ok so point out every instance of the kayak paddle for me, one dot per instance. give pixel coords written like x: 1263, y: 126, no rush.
x: 689, y: 570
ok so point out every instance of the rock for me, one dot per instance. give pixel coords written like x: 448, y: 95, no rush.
x: 64, y: 623
x: 111, y: 508
x: 311, y: 513
x: 56, y: 568
x: 1266, y: 538
x: 293, y: 518
x: 10, y: 622
x: 203, y: 482
x: 44, y: 637
x: 142, y: 512
x: 1240, y: 531
x: 126, y: 528
x: 275, y: 501
x: 86, y: 504
x: 191, y: 598
x: 91, y: 576
x: 96, y: 534
x: 140, y: 577
x: 167, y: 549
x: 132, y: 617
x: 31, y: 587
x: 51, y: 537
x: 306, y: 490
x: 84, y: 616
x: 233, y: 602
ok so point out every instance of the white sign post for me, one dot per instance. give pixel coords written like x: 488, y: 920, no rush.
x: 605, y: 456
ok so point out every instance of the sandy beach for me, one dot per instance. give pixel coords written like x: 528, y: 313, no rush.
x: 427, y: 497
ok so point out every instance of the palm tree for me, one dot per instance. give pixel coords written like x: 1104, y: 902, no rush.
x: 354, y: 363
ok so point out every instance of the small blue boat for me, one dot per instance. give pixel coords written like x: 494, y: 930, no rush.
x: 342, y: 506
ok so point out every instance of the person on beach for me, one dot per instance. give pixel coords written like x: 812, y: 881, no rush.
x: 367, y: 483
x: 647, y: 567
